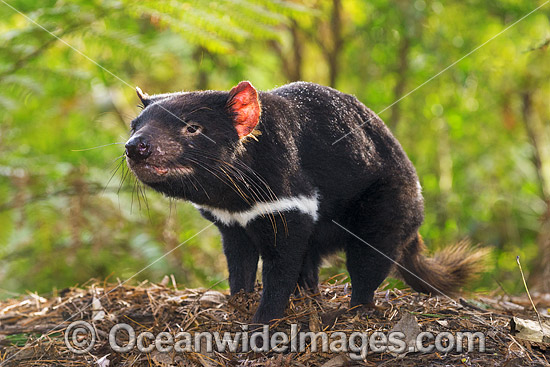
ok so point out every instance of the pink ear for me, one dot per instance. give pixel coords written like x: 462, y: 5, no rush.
x: 243, y: 102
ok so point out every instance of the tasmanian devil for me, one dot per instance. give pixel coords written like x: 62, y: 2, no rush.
x: 271, y: 171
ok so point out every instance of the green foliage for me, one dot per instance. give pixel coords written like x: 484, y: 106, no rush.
x: 19, y: 340
x: 64, y: 221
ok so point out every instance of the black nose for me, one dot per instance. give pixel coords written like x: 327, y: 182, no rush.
x: 138, y: 148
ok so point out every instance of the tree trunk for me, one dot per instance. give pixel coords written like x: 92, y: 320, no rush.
x: 203, y: 79
x: 291, y: 63
x: 539, y: 278
x: 333, y: 54
x: 402, y: 71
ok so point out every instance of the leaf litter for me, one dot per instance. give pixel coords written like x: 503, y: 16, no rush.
x: 32, y: 327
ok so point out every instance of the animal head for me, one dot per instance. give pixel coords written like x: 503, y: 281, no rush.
x: 186, y: 137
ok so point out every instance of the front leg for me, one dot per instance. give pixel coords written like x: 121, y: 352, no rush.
x: 282, y: 254
x: 242, y: 258
x: 309, y: 275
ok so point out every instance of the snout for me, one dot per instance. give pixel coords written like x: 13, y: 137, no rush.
x: 138, y: 148
x: 153, y: 158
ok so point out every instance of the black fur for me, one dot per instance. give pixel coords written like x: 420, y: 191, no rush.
x: 364, y: 182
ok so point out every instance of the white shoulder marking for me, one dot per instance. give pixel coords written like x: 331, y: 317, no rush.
x: 419, y: 189
x: 305, y: 204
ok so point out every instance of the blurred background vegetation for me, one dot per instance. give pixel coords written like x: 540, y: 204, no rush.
x: 478, y: 133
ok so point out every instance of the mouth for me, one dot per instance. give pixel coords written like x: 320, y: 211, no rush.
x: 148, y: 172
x: 168, y: 170
x: 159, y: 170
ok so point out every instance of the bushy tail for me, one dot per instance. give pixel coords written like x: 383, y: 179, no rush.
x: 446, y: 272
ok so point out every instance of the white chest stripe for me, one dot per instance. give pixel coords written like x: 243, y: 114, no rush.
x: 305, y: 204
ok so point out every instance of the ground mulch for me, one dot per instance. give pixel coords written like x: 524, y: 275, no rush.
x: 32, y: 328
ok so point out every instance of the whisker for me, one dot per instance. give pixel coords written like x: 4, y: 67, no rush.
x: 132, y: 199
x: 233, y: 182
x: 210, y: 170
x: 191, y: 180
x: 117, y: 158
x: 202, y: 187
x: 270, y: 193
x: 170, y: 200
x: 100, y: 146
x: 114, y: 173
x: 123, y: 178
x: 243, y: 165
x: 255, y: 188
x: 136, y: 189
x: 141, y: 188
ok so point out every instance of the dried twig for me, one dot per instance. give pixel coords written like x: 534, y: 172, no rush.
x: 529, y: 295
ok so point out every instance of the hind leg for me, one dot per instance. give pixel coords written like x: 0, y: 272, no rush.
x: 383, y: 222
x: 367, y: 269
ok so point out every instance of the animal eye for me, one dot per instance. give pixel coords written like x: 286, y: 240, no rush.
x: 192, y: 129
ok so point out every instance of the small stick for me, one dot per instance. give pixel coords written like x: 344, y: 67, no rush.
x: 529, y: 295
x: 174, y: 281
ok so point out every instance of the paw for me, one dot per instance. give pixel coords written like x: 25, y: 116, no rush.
x: 367, y: 307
